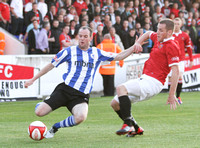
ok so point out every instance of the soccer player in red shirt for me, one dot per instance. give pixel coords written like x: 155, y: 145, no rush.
x: 184, y: 42
x: 163, y: 57
x: 64, y: 39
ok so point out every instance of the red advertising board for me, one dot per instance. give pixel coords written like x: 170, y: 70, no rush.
x: 15, y: 72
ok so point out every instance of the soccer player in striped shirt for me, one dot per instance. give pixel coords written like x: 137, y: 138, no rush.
x: 83, y: 62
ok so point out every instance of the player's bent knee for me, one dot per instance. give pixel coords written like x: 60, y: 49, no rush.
x: 121, y: 90
x: 115, y: 105
x: 80, y: 118
x: 42, y: 110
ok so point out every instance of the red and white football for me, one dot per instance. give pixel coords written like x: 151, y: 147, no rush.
x: 37, y: 130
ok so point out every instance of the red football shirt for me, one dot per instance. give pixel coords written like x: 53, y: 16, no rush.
x: 65, y: 38
x: 5, y: 11
x: 79, y: 6
x: 163, y: 55
x: 184, y: 42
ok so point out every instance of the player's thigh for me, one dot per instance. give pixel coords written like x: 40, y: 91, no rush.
x: 133, y: 87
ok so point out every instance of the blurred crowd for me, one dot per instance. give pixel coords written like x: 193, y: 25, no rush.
x: 47, y: 26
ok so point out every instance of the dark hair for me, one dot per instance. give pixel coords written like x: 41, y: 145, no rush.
x: 87, y: 28
x: 169, y: 24
x: 45, y: 24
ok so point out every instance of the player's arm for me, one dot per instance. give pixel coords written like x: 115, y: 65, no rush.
x: 137, y: 47
x: 46, y: 69
x: 174, y: 81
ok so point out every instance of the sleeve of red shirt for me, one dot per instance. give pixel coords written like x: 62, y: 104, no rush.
x: 189, y: 47
x: 153, y: 37
x: 173, y: 53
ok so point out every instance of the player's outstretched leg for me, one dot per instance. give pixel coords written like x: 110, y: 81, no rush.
x: 79, y: 112
x: 68, y: 122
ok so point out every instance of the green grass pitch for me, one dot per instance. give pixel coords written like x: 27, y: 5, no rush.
x: 164, y: 128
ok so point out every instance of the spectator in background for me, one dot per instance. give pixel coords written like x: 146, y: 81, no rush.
x: 52, y: 13
x: 75, y: 39
x: 130, y: 22
x: 157, y: 14
x: 195, y: 7
x: 32, y: 36
x: 185, y: 12
x: 105, y: 8
x: 43, y: 8
x: 61, y: 21
x: 175, y: 9
x: 112, y: 15
x: 121, y: 8
x: 2, y: 43
x: 79, y: 5
x: 143, y: 6
x: 29, y: 6
x: 166, y: 10
x: 108, y: 25
x: 72, y: 29
x: 98, y: 38
x: 193, y: 34
x: 72, y: 13
x: 91, y: 9
x: 137, y: 8
x: 97, y: 20
x: 28, y: 28
x: 67, y: 5
x: 131, y: 37
x: 83, y: 13
x: 115, y: 38
x: 106, y: 70
x: 42, y: 45
x: 116, y: 6
x: 55, y: 33
x: 118, y: 25
x: 33, y: 12
x: 189, y: 20
x: 148, y: 44
x: 16, y: 8
x: 5, y: 18
x: 126, y: 13
x: 125, y: 33
x: 65, y: 40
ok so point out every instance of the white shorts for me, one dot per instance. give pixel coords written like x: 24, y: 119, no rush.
x: 181, y: 67
x: 142, y: 88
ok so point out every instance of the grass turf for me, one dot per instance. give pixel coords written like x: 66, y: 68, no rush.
x: 164, y: 128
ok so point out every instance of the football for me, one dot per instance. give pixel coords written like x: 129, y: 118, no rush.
x: 37, y: 130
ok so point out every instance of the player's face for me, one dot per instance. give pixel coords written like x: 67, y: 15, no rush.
x: 177, y: 25
x: 84, y: 39
x: 161, y: 32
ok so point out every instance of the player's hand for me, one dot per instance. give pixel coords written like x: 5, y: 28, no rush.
x: 28, y: 83
x: 137, y: 48
x: 172, y: 100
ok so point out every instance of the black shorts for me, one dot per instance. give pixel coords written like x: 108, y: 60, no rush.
x: 64, y: 95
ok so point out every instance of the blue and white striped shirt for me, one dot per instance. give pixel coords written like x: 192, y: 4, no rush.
x: 82, y: 66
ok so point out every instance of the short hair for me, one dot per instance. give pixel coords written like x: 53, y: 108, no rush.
x: 45, y: 24
x: 106, y: 36
x: 87, y: 28
x: 168, y: 22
